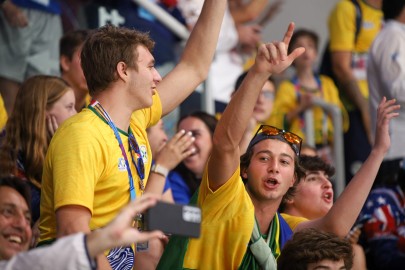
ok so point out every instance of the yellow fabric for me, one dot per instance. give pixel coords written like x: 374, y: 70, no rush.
x: 3, y: 114
x: 84, y: 166
x: 293, y: 221
x: 227, y: 225
x: 342, y: 30
x: 87, y: 100
x: 286, y: 101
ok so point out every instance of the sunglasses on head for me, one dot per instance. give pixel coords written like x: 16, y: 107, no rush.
x: 292, y: 139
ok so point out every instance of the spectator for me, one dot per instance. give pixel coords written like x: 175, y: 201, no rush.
x: 75, y: 252
x: 43, y: 104
x: 297, y: 95
x: 70, y: 48
x: 349, y: 46
x: 311, y: 249
x: 120, y: 73
x: 234, y: 213
x: 386, y: 77
x: 312, y: 198
x: 186, y: 177
x: 28, y: 43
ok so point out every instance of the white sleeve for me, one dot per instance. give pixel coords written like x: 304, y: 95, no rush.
x: 391, y: 56
x: 68, y: 253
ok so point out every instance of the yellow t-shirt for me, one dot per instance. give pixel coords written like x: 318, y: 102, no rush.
x: 227, y: 224
x: 342, y: 29
x: 3, y: 114
x: 286, y: 100
x: 84, y: 166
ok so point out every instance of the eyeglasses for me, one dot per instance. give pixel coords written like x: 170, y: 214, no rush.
x: 265, y: 131
x: 267, y: 94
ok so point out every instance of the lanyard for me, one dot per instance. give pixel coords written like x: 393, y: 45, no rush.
x: 133, y: 147
x: 298, y: 87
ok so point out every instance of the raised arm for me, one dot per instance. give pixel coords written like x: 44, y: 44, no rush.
x: 344, y: 212
x: 196, y: 59
x: 271, y: 58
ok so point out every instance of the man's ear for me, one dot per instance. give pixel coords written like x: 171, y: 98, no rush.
x: 122, y: 71
x: 64, y: 63
x: 288, y: 201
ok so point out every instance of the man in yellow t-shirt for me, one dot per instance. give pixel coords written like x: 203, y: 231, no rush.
x: 349, y: 53
x: 241, y: 228
x: 101, y: 158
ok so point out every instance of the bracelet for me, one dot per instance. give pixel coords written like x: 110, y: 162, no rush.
x: 159, y: 169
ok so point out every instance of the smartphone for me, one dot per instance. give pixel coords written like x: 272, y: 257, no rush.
x: 176, y: 219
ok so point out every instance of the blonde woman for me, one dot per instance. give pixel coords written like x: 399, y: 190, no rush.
x: 42, y: 104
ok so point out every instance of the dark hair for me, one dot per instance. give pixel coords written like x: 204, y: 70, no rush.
x: 18, y: 185
x: 189, y: 177
x: 70, y: 42
x: 392, y: 8
x: 242, y: 76
x: 312, y: 246
x: 307, y: 164
x: 247, y: 156
x: 315, y: 163
x: 303, y: 33
x: 105, y: 48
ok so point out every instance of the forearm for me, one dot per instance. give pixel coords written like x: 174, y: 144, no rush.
x: 202, y: 43
x: 235, y: 120
x: 345, y: 211
x: 156, y: 183
x: 196, y: 59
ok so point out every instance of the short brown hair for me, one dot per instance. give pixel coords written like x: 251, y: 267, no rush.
x: 70, y: 42
x: 105, y: 48
x: 312, y: 246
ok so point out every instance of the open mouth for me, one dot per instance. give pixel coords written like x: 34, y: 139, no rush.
x: 328, y: 196
x: 271, y: 183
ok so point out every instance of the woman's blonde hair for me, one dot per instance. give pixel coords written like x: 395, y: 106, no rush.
x: 26, y: 128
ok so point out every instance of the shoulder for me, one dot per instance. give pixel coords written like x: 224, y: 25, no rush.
x: 293, y: 221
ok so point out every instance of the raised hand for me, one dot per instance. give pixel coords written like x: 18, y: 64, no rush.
x: 385, y: 112
x: 120, y: 231
x: 175, y: 150
x: 273, y: 58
